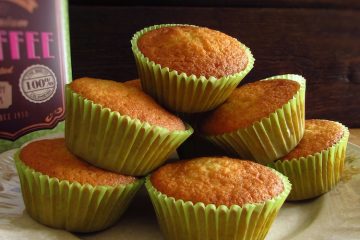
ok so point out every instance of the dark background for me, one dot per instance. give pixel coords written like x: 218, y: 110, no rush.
x: 317, y: 39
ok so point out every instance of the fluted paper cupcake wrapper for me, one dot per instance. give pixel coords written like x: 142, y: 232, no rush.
x: 116, y: 142
x: 272, y: 137
x: 188, y: 221
x: 180, y: 92
x: 315, y: 174
x: 70, y: 205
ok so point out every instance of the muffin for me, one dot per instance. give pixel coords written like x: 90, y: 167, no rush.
x: 216, y: 198
x: 118, y: 127
x: 61, y: 191
x: 262, y: 121
x: 189, y: 68
x: 315, y: 165
x: 134, y: 83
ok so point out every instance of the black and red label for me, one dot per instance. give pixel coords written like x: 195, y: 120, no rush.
x: 32, y: 66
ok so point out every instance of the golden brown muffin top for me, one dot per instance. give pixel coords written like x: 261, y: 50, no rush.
x: 319, y: 135
x: 194, y: 50
x: 248, y: 104
x: 127, y: 100
x: 217, y: 180
x: 52, y: 158
x: 134, y: 83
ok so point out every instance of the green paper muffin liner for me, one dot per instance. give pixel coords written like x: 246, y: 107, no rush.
x: 315, y: 174
x: 272, y: 137
x: 180, y: 92
x: 185, y: 220
x: 116, y: 142
x: 72, y: 206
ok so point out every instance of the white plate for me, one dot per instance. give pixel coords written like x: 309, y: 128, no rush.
x: 334, y: 215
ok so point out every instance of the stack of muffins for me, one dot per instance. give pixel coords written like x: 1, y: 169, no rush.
x: 117, y: 133
x: 114, y: 135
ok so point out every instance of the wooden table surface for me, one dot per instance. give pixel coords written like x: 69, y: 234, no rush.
x: 355, y: 136
x: 319, y: 43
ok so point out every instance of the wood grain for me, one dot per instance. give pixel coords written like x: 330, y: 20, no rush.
x: 355, y: 136
x: 321, y: 44
x: 228, y: 3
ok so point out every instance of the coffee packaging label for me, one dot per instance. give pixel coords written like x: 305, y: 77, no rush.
x: 33, y: 69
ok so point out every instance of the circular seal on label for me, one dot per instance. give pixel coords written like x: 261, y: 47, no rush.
x: 38, y: 83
